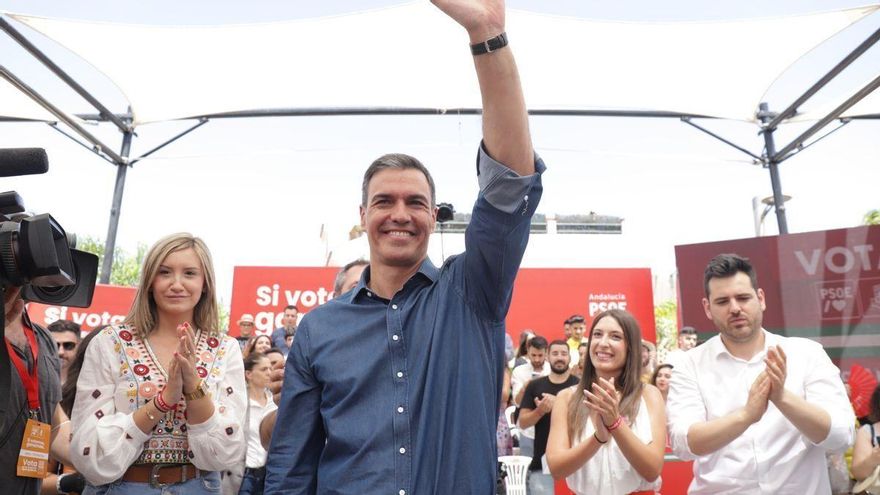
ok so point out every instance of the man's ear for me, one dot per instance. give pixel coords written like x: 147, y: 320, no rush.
x: 706, y: 308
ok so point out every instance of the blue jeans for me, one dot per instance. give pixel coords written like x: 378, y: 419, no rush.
x: 206, y: 485
x: 252, y: 481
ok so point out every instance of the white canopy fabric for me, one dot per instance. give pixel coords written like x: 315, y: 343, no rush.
x: 14, y: 104
x: 411, y: 56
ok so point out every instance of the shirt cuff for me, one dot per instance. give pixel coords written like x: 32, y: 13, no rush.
x: 132, y: 430
x: 679, y: 440
x: 841, y: 434
x: 502, y: 187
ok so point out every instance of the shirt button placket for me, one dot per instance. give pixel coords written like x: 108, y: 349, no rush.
x: 401, y: 422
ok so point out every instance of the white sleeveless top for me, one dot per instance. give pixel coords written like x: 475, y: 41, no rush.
x: 608, y: 472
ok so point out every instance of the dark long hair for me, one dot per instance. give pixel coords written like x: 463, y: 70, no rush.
x: 629, y: 382
x: 68, y: 390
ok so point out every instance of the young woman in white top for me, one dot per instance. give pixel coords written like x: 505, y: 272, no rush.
x: 608, y: 433
x: 160, y: 399
x: 257, y: 373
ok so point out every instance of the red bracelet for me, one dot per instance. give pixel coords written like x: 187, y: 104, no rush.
x: 615, y: 425
x: 161, y: 405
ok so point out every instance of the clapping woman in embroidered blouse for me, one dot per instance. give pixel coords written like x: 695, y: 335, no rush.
x: 161, y: 399
x: 608, y: 433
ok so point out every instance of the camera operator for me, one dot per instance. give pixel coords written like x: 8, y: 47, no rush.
x: 34, y: 392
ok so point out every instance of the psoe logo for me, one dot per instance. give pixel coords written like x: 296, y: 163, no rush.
x: 837, y: 300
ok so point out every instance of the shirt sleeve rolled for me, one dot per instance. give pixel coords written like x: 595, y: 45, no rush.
x: 824, y: 388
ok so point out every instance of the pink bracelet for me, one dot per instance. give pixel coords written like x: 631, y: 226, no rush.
x: 615, y: 425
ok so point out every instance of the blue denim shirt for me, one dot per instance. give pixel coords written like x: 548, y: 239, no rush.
x: 402, y: 396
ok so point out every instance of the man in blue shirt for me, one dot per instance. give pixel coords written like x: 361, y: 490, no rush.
x: 288, y: 327
x: 394, y: 387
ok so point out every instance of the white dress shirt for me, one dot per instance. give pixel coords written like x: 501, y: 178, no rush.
x: 771, y: 456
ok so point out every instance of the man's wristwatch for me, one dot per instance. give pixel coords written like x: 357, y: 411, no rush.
x: 198, y: 393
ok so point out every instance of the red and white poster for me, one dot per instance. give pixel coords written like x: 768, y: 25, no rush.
x: 109, y: 306
x: 821, y: 285
x: 542, y: 297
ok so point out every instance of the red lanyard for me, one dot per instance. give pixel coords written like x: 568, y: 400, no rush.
x: 30, y: 381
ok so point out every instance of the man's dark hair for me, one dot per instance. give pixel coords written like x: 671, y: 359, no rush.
x: 538, y: 342
x: 576, y: 319
x: 558, y: 342
x: 291, y: 306
x: 728, y: 265
x: 340, y: 277
x: 397, y: 161
x: 66, y: 326
x: 687, y: 331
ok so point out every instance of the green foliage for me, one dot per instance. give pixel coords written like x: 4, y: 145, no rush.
x: 126, y: 267
x: 666, y: 322
x: 872, y: 217
x: 224, y: 316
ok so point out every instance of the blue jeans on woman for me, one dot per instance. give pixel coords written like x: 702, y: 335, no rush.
x: 205, y: 485
x: 252, y: 481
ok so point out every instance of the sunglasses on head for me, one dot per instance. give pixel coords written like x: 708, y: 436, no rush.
x: 68, y: 346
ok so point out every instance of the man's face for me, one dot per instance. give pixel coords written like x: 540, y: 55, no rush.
x: 245, y: 328
x: 687, y: 341
x: 274, y: 358
x: 582, y: 353
x: 735, y: 307
x: 560, y: 359
x: 289, y: 318
x: 646, y: 355
x: 536, y: 358
x: 578, y: 329
x: 66, y: 347
x: 352, y: 276
x: 567, y: 330
x: 398, y: 218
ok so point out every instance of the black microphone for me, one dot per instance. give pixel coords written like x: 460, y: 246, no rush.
x: 23, y: 161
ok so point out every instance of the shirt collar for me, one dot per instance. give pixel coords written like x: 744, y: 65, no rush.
x: 718, y: 349
x: 427, y: 272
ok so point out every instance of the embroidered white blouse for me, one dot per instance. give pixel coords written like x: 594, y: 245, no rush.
x: 120, y: 374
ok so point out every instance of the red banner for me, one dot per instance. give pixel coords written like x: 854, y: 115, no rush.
x: 263, y: 292
x: 542, y: 297
x: 822, y: 285
x: 109, y: 306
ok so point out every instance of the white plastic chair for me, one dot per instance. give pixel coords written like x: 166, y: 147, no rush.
x: 517, y: 469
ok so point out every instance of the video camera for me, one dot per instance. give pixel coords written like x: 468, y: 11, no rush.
x: 35, y: 251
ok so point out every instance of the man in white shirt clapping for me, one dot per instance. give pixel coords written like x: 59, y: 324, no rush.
x: 756, y: 411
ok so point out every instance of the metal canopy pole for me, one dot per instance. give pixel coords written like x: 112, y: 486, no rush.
x: 57, y: 112
x: 42, y: 57
x: 773, y: 165
x: 110, y: 244
x: 837, y: 69
x: 852, y: 100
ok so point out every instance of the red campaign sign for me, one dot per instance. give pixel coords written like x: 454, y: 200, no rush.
x: 264, y: 291
x: 109, y: 306
x: 822, y: 285
x: 542, y: 297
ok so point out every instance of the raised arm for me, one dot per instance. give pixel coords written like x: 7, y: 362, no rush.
x: 505, y: 120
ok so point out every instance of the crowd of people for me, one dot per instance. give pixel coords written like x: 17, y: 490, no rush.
x: 399, y: 384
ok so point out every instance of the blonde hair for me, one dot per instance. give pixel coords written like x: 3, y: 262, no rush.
x: 143, y: 315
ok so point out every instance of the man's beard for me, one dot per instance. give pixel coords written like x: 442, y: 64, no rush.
x: 559, y: 371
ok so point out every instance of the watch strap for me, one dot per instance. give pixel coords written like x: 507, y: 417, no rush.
x: 490, y: 45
